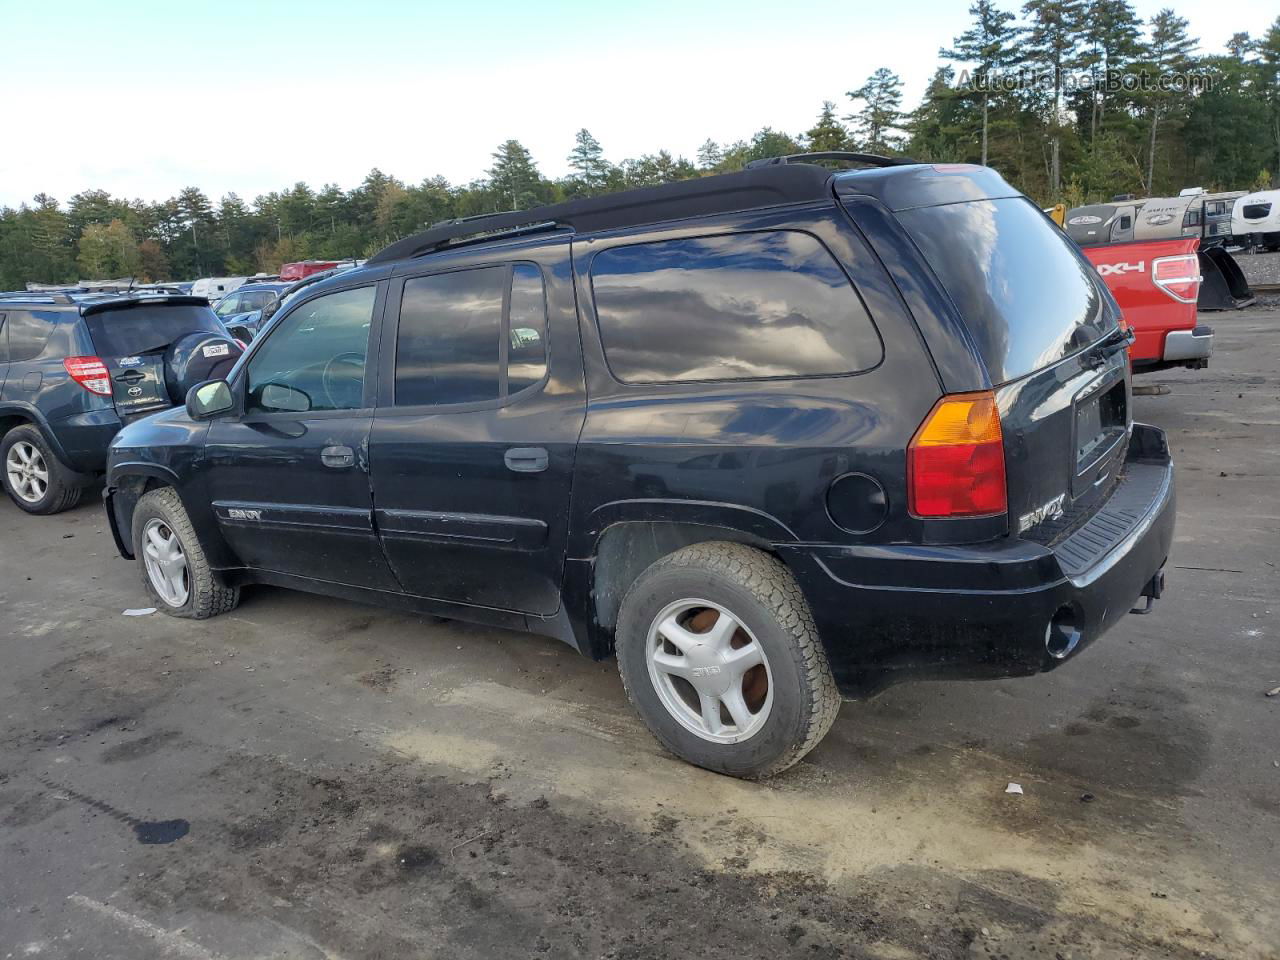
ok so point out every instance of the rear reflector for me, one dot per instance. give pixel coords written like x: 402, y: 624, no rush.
x: 91, y: 373
x: 1178, y: 276
x: 955, y: 462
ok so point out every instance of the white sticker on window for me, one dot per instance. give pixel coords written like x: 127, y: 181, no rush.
x: 217, y: 350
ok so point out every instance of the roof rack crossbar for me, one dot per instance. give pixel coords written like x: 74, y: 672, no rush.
x: 870, y: 159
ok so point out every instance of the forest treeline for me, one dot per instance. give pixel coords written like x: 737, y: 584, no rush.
x: 1071, y: 100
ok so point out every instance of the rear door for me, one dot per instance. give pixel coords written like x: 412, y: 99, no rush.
x: 475, y: 435
x: 1047, y: 332
x: 288, y: 478
x: 131, y: 339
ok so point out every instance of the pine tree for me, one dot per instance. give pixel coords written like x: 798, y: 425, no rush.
x: 988, y: 45
x: 1112, y: 36
x: 827, y: 133
x: 938, y: 126
x: 588, y: 162
x: 1168, y: 51
x: 1053, y: 37
x: 881, y: 116
x: 710, y: 155
x: 514, y: 176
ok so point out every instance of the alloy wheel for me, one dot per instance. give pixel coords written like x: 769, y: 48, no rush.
x: 709, y: 671
x: 27, y: 472
x: 166, y: 562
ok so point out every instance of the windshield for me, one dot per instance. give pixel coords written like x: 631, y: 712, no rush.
x: 147, y: 328
x: 1027, y: 294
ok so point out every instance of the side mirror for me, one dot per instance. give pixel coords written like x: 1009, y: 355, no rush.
x: 209, y: 399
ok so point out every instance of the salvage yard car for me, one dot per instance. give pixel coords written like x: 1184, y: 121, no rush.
x: 771, y: 437
x: 76, y: 366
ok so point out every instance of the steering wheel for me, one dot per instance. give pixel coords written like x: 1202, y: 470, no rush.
x: 326, y: 382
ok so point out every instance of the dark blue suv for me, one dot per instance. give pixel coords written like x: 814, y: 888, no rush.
x: 771, y: 437
x: 75, y: 367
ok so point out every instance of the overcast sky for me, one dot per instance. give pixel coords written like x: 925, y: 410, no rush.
x: 142, y: 98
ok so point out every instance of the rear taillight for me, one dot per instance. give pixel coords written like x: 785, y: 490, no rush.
x: 91, y: 373
x: 1178, y: 276
x: 955, y: 462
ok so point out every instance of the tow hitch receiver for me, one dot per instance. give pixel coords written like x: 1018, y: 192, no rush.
x: 1151, y: 592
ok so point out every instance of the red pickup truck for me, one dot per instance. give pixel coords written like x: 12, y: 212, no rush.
x: 1156, y: 283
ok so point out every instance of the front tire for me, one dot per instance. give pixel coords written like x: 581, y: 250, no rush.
x: 173, y: 565
x: 720, y: 657
x: 32, y: 476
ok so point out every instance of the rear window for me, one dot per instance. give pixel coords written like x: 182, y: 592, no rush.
x: 130, y: 331
x: 730, y: 307
x: 1027, y: 295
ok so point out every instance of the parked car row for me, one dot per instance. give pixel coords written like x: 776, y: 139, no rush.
x: 770, y: 438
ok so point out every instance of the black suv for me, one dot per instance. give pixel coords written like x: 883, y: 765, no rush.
x: 771, y: 437
x: 76, y: 366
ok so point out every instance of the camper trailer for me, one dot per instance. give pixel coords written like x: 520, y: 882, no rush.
x: 1102, y: 223
x: 1255, y: 219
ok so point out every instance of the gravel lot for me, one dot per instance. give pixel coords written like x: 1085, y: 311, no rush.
x: 1259, y: 267
x: 309, y: 778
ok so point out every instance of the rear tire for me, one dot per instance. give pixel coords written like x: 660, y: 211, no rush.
x: 32, y: 476
x: 173, y: 565
x: 720, y: 657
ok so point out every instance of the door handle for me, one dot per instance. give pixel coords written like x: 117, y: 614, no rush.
x: 337, y: 457
x: 526, y: 459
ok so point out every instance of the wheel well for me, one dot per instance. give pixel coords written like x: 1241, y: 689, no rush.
x: 128, y: 491
x: 8, y: 421
x: 625, y: 550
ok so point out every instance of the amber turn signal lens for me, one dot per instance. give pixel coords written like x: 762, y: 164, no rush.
x: 955, y: 462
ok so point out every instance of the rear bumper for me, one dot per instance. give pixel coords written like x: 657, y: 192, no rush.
x: 1006, y: 608
x: 84, y: 439
x: 1194, y: 344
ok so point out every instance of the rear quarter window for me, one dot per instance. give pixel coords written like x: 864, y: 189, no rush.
x: 1027, y: 295
x: 26, y: 334
x: 735, y: 306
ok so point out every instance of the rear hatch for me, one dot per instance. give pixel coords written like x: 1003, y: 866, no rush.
x: 131, y: 338
x: 1047, y: 332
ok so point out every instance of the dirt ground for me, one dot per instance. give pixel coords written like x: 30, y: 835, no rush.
x: 309, y: 778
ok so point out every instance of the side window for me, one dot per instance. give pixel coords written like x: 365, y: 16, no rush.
x: 1126, y: 223
x: 527, y: 329
x: 4, y: 341
x: 1192, y: 218
x: 449, y: 343
x: 315, y: 357
x: 27, y: 335
x: 730, y: 307
x: 228, y: 305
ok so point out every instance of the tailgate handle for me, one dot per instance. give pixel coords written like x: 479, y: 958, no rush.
x: 526, y: 459
x: 337, y: 457
x: 131, y: 376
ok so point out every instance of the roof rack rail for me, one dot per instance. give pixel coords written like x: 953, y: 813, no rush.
x: 700, y: 196
x: 870, y: 159
x: 54, y: 296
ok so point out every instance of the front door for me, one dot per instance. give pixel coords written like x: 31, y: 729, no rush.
x: 475, y: 433
x: 289, y: 477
